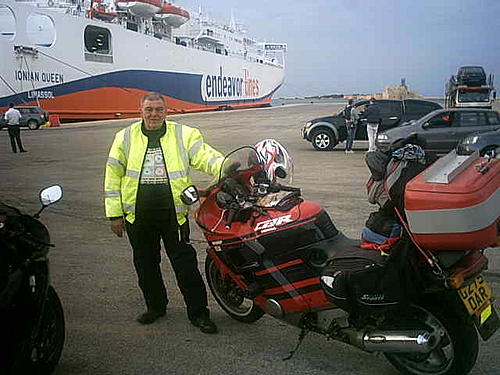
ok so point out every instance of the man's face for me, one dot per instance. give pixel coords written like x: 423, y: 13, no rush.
x: 153, y: 113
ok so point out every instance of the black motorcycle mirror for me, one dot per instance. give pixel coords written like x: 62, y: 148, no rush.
x: 48, y: 196
x: 190, y: 195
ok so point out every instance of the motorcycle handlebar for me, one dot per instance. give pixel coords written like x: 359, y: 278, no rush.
x: 230, y: 218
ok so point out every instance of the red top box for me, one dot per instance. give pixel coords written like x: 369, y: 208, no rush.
x: 455, y: 204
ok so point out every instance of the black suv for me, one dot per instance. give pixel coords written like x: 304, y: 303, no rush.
x: 471, y: 76
x: 326, y: 132
x: 31, y: 116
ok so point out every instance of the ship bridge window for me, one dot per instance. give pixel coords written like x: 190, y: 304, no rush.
x: 98, y: 44
x: 7, y: 23
x: 40, y: 30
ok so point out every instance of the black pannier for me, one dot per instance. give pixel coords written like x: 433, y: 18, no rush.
x: 366, y: 281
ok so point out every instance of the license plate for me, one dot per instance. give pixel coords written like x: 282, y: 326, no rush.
x: 477, y: 297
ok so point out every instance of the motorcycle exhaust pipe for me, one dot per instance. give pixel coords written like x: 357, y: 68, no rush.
x: 411, y: 341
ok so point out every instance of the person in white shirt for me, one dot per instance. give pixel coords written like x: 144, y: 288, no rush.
x: 12, y: 117
x: 351, y: 116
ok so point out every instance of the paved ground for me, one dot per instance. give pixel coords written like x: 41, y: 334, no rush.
x: 93, y: 273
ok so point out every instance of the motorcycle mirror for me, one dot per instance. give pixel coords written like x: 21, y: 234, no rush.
x: 190, y: 195
x: 48, y: 196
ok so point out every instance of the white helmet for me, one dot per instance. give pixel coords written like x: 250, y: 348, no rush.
x: 275, y: 159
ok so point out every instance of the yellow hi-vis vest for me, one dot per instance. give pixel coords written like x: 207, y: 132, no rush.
x: 182, y: 147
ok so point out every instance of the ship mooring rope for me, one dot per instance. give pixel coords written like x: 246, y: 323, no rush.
x: 12, y: 89
x: 32, y: 82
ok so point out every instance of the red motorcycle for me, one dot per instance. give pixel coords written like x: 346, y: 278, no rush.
x: 270, y: 251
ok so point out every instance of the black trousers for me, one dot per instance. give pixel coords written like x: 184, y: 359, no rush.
x: 144, y: 236
x: 15, y: 136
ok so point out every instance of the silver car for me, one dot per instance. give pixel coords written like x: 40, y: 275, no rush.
x: 441, y: 130
x: 487, y: 143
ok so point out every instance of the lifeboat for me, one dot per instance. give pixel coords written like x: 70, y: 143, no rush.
x: 140, y: 8
x: 102, y: 14
x: 172, y: 15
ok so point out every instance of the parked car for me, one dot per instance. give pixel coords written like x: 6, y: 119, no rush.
x: 487, y: 143
x: 31, y: 117
x: 326, y: 132
x: 441, y: 130
x: 471, y: 76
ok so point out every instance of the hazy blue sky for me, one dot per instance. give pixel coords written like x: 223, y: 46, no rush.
x: 347, y: 46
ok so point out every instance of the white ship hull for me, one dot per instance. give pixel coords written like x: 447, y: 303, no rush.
x: 67, y: 80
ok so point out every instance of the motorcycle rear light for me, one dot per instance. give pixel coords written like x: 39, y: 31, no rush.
x: 469, y: 267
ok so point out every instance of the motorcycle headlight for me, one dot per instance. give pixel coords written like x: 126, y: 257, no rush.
x: 470, y: 140
x: 382, y: 137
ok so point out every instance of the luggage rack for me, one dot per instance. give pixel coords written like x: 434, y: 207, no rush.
x: 448, y: 167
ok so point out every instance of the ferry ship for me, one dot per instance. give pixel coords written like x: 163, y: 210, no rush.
x: 94, y: 59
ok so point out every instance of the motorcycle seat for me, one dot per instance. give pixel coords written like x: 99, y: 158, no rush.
x: 338, y: 246
x: 343, y: 245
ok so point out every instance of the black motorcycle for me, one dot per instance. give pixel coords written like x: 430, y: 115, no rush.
x: 31, y: 315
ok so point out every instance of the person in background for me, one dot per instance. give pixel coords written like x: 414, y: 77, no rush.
x: 373, y: 119
x: 351, y: 116
x: 12, y: 117
x: 146, y: 172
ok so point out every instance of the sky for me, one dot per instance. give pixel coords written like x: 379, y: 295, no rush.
x: 362, y: 46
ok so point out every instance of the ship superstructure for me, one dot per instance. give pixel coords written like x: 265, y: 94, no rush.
x: 94, y: 59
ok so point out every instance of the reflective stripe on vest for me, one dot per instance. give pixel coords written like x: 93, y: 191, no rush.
x: 112, y: 193
x: 115, y: 162
x: 126, y: 142
x: 179, y: 209
x: 194, y: 149
x: 180, y: 145
x: 455, y: 220
x: 133, y: 174
x: 128, y: 207
x: 177, y: 174
x: 214, y: 160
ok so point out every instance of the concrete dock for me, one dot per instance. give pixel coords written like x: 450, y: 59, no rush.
x: 93, y: 273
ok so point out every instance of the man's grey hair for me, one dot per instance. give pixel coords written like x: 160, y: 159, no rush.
x: 153, y: 96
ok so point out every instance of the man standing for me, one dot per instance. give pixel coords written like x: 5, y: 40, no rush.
x: 351, y: 120
x: 146, y: 172
x: 373, y: 119
x: 12, y: 117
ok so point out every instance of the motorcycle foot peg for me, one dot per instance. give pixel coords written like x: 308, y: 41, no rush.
x: 254, y: 289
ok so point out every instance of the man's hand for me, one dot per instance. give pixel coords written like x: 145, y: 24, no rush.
x: 118, y: 226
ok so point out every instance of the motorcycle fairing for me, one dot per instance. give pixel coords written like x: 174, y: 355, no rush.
x: 285, y: 264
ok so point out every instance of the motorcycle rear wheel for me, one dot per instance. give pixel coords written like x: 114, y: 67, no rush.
x: 229, y: 296
x: 458, y: 347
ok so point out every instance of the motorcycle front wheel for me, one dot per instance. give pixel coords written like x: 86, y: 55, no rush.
x: 229, y: 296
x: 50, y: 341
x: 457, y: 348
